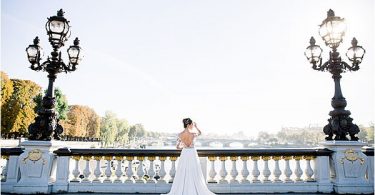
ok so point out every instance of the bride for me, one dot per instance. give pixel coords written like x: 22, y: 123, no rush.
x: 189, y: 178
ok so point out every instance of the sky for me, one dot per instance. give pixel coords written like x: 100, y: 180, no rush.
x: 229, y: 65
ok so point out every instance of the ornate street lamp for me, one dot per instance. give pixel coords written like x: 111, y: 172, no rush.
x: 58, y: 30
x: 332, y: 31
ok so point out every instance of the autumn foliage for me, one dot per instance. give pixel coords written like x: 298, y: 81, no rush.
x: 81, y: 121
x: 17, y: 113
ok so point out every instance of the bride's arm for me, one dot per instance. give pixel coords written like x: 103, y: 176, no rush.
x: 178, y: 145
x: 199, y: 131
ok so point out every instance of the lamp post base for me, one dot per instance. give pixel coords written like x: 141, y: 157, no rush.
x: 349, y: 166
x: 340, y: 124
x: 36, y: 164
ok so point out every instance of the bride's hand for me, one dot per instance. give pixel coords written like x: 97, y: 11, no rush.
x: 195, y: 124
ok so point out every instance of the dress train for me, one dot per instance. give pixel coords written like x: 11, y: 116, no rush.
x: 189, y: 178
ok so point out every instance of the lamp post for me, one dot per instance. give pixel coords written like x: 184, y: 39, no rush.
x: 332, y: 31
x: 58, y: 30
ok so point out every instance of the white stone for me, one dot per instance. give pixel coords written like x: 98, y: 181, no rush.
x: 35, y: 168
x: 349, y: 165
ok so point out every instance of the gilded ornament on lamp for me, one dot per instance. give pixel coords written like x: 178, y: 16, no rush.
x: 33, y: 155
x: 351, y: 156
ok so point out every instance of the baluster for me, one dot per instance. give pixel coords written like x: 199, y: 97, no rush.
x: 86, y: 171
x: 308, y: 170
x: 266, y: 171
x: 223, y: 171
x: 287, y: 170
x: 212, y: 172
x: 119, y: 171
x: 234, y: 171
x: 108, y: 170
x: 244, y: 171
x: 76, y: 170
x: 98, y: 170
x: 129, y: 172
x: 140, y: 171
x: 255, y: 171
x: 162, y: 171
x: 4, y: 172
x: 277, y: 171
x: 298, y: 171
x: 151, y: 172
x: 172, y: 172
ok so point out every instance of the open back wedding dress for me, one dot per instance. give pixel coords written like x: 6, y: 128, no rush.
x: 189, y: 178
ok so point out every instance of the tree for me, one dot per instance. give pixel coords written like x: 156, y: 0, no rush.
x: 62, y: 107
x: 141, y: 132
x: 137, y: 130
x: 132, y: 132
x: 108, y: 128
x: 18, y: 112
x: 93, y: 126
x: 122, y: 131
x: 6, y: 88
x: 81, y: 121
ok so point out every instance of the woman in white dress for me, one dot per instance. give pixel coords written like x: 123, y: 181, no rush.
x: 189, y: 178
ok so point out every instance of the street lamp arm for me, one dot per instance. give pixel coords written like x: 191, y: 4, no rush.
x: 354, y: 67
x: 321, y: 67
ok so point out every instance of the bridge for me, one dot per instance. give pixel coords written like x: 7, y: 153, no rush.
x: 49, y: 167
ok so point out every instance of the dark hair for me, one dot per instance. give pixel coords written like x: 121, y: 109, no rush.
x: 187, y: 121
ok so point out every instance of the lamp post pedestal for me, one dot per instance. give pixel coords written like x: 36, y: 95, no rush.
x: 348, y: 166
x: 36, y: 166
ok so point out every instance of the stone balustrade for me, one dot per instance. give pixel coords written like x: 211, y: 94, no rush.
x: 152, y: 170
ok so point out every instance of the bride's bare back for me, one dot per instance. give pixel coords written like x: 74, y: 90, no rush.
x: 186, y: 138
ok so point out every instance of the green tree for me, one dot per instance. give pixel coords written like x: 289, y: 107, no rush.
x: 108, y: 128
x: 132, y: 132
x: 122, y: 131
x: 141, y: 132
x: 6, y: 88
x: 62, y: 107
x: 18, y: 112
x: 137, y: 130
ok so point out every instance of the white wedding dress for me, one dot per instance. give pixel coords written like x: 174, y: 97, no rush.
x: 189, y: 178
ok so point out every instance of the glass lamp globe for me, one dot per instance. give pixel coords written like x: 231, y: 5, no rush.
x: 58, y: 29
x: 313, y: 52
x: 332, y: 30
